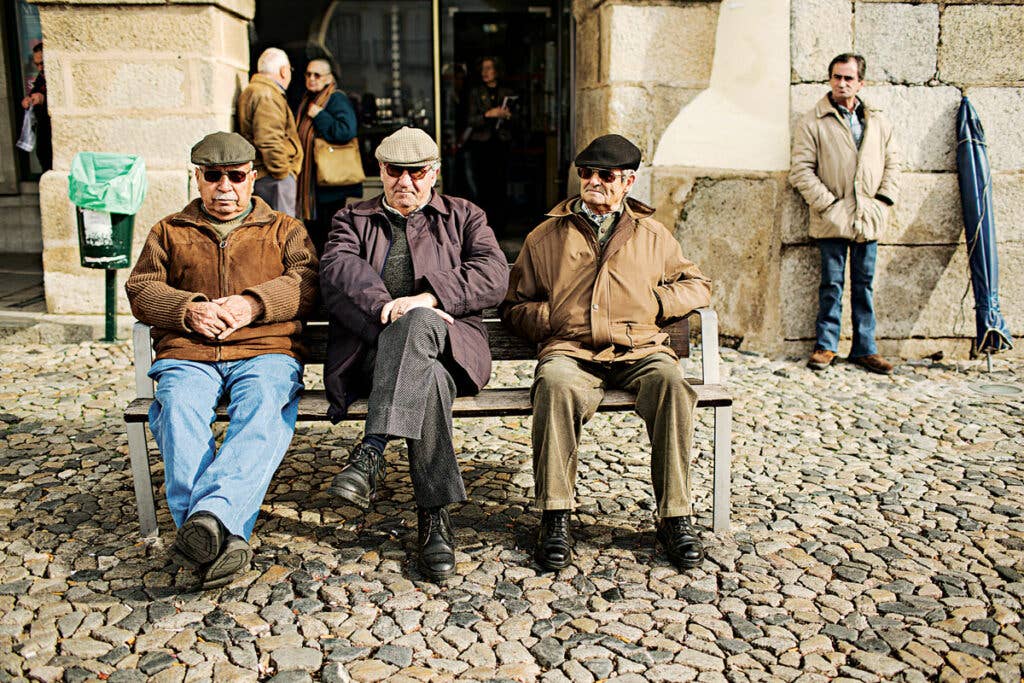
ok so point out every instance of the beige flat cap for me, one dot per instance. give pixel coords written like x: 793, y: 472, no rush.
x: 408, y: 147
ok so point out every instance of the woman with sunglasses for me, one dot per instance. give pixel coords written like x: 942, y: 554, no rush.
x: 327, y: 113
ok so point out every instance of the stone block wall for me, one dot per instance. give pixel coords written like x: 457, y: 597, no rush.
x: 638, y: 64
x: 921, y: 58
x: 132, y: 77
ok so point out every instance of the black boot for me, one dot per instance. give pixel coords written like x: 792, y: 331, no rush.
x: 681, y: 542
x: 436, y: 543
x: 554, y: 542
x: 358, y: 480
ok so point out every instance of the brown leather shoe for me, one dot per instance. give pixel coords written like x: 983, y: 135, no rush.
x: 873, y: 363
x: 821, y: 359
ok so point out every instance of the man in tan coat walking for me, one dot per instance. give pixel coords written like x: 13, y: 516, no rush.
x: 265, y: 120
x: 592, y: 286
x: 846, y: 166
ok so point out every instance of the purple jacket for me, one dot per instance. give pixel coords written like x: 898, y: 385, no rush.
x: 454, y: 255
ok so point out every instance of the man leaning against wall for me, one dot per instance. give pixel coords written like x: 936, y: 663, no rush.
x: 846, y: 165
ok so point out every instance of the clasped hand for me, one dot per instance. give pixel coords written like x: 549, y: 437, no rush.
x: 396, y: 308
x: 219, y: 318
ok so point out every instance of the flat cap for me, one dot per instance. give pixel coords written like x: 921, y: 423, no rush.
x: 222, y: 149
x: 408, y: 147
x: 610, y: 151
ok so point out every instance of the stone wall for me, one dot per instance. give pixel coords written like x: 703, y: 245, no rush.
x: 132, y: 77
x: 922, y: 57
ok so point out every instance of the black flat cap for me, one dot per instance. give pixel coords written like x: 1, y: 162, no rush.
x: 222, y: 149
x: 610, y: 151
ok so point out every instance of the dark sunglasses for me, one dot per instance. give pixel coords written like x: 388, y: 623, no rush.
x: 606, y: 176
x: 234, y: 176
x: 417, y: 173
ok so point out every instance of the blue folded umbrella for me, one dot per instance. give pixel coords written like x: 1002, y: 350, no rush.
x: 993, y: 334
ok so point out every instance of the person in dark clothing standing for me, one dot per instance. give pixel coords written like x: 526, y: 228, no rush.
x: 487, y: 150
x: 404, y: 278
x: 324, y: 112
x: 37, y: 98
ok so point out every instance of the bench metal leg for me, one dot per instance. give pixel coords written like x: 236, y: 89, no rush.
x: 723, y: 463
x: 138, y: 452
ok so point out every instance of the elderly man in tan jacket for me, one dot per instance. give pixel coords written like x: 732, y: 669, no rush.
x: 591, y: 287
x: 846, y: 166
x: 265, y: 120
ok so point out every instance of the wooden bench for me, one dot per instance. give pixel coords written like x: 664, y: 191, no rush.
x: 488, y: 403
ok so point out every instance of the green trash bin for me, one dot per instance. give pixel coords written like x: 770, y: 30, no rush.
x: 104, y: 238
x: 107, y: 190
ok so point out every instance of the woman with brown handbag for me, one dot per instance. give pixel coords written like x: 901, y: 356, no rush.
x: 331, y: 168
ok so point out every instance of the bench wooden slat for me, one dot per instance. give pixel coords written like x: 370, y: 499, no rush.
x: 489, y: 403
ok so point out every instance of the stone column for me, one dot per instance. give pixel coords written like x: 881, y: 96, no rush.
x: 702, y: 87
x: 132, y: 77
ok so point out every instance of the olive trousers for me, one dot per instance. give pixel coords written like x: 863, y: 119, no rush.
x: 565, y: 395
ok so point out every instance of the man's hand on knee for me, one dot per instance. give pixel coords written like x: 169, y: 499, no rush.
x: 396, y: 308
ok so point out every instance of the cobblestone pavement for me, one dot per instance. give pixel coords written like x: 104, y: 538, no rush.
x: 877, y: 536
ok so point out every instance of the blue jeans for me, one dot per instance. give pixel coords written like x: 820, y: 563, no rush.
x: 830, y: 294
x: 230, y: 482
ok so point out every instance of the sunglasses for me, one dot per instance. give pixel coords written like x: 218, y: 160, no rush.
x: 314, y: 74
x: 417, y: 173
x: 604, y: 174
x: 233, y: 176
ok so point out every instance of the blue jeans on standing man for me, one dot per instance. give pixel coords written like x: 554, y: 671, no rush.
x: 830, y: 294
x: 230, y: 482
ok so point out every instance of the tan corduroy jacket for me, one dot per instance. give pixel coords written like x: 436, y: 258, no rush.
x: 571, y: 298
x: 844, y: 187
x: 268, y: 256
x: 265, y: 120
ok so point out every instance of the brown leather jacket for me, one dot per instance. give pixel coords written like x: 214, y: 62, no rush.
x: 571, y: 298
x: 268, y: 256
x: 265, y: 120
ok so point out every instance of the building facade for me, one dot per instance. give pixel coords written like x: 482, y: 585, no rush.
x: 708, y: 89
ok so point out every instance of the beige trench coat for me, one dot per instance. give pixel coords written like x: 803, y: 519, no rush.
x: 845, y: 188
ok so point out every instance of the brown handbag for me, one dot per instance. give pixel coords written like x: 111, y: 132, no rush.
x: 337, y: 164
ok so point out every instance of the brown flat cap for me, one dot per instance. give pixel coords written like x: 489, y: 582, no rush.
x: 222, y: 149
x: 609, y: 151
x: 408, y: 147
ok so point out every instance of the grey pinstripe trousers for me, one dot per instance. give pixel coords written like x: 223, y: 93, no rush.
x: 411, y: 397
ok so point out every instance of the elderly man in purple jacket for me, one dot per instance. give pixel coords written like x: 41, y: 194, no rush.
x: 405, y: 277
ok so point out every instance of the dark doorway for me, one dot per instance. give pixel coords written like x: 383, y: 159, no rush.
x: 513, y: 167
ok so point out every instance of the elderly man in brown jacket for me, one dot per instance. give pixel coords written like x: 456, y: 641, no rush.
x: 265, y: 120
x: 591, y: 287
x: 846, y: 166
x: 224, y: 283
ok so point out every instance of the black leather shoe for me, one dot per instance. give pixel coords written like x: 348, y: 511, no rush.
x: 681, y: 542
x: 358, y: 480
x: 234, y: 558
x: 554, y: 541
x: 198, y: 541
x: 436, y: 543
